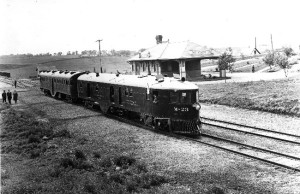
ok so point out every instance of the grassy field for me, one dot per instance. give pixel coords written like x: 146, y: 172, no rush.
x: 23, y: 67
x: 278, y: 96
x: 46, y: 170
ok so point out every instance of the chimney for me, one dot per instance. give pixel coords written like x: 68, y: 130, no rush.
x: 158, y: 39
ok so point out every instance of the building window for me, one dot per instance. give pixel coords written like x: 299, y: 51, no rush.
x: 97, y: 88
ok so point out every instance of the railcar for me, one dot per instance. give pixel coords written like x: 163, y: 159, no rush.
x: 62, y: 84
x: 161, y: 102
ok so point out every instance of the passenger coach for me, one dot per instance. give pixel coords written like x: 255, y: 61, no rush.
x: 62, y: 84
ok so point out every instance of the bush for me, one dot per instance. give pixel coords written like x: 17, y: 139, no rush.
x: 123, y: 161
x: 56, y: 171
x: 90, y: 188
x: 34, y: 139
x: 62, y: 133
x: 35, y: 153
x: 96, y: 154
x: 117, y: 177
x: 80, y: 155
x: 106, y: 162
x: 86, y: 165
x: 67, y: 162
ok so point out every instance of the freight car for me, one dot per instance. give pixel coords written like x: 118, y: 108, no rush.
x: 161, y: 102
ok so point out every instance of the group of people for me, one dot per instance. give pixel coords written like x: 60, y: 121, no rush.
x: 9, y: 96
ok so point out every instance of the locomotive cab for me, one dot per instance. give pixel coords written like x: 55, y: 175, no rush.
x: 177, y: 110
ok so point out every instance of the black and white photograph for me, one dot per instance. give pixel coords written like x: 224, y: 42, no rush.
x: 140, y: 96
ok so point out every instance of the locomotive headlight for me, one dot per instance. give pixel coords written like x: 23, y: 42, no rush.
x: 198, y: 107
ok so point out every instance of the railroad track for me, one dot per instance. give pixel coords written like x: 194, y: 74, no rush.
x: 259, y: 154
x: 270, y: 157
x: 251, y: 130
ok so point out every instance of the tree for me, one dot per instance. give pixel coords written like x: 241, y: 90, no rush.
x: 288, y: 51
x: 269, y: 59
x: 282, y: 61
x: 226, y: 60
x: 141, y: 50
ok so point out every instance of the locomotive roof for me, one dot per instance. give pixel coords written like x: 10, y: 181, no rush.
x: 59, y: 74
x: 138, y: 81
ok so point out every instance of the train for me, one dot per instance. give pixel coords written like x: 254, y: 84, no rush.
x: 164, y: 103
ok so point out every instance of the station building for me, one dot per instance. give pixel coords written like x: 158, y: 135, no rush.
x: 178, y: 59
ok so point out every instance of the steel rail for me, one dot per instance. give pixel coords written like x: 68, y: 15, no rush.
x: 253, y: 147
x: 252, y: 127
x: 257, y: 134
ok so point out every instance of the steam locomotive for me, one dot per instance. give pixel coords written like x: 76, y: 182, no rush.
x: 164, y: 103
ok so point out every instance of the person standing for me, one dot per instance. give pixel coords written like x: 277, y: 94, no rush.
x: 15, y: 96
x: 15, y: 83
x: 4, y: 96
x: 8, y: 94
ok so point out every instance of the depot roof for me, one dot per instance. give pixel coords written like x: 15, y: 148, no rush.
x: 176, y: 50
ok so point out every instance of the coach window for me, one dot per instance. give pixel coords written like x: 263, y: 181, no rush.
x: 126, y: 91
x: 148, y: 94
x: 130, y: 92
x: 155, y: 96
x: 112, y: 94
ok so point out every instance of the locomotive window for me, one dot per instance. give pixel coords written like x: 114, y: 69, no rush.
x: 130, y: 92
x: 185, y: 97
x: 194, y: 97
x: 126, y: 91
x: 174, y: 97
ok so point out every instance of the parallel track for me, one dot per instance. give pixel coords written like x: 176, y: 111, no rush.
x: 253, y: 133
x: 214, y: 145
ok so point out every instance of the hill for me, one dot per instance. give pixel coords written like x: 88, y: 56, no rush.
x: 23, y: 67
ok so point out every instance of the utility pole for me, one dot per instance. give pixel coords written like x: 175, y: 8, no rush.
x: 272, y: 43
x: 100, y: 54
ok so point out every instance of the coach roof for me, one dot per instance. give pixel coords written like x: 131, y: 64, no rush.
x: 139, y: 81
x: 59, y: 74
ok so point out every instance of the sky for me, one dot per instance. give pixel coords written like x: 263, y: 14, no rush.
x: 41, y: 26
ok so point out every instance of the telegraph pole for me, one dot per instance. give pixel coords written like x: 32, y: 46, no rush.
x: 100, y: 54
x: 272, y: 43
